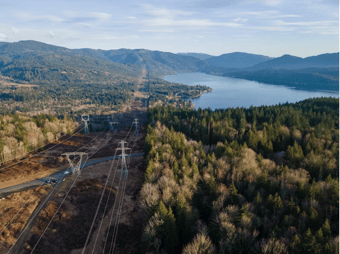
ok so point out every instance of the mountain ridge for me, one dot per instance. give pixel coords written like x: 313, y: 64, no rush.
x: 236, y: 60
x: 293, y: 62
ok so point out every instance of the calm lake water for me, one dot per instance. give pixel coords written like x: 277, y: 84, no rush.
x: 231, y: 92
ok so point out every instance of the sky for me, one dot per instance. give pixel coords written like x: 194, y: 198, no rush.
x: 268, y: 27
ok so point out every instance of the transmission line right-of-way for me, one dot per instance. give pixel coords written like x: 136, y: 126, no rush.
x: 49, y: 195
x: 93, y: 221
x: 119, y: 198
x: 74, y: 181
x: 1, y: 169
x: 65, y: 199
x: 120, y: 207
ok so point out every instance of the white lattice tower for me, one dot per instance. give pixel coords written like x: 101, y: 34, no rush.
x: 135, y: 123
x: 76, y: 166
x: 85, y: 119
x: 124, y: 170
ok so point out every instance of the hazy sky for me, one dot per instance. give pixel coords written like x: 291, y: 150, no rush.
x: 268, y: 27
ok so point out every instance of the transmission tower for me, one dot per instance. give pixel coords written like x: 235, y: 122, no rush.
x: 76, y: 166
x: 135, y: 123
x: 85, y: 119
x: 114, y: 126
x: 124, y: 170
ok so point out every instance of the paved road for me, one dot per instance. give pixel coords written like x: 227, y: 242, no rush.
x: 56, y: 176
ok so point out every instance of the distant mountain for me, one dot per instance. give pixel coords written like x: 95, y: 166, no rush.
x: 38, y: 62
x: 236, y: 60
x: 157, y: 62
x: 41, y: 63
x: 293, y: 62
x: 200, y: 56
x: 306, y: 79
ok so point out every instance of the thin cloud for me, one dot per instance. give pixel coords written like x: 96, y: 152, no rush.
x: 100, y: 15
x: 15, y: 30
x: 163, y: 12
x: 41, y: 18
x: 287, y: 16
x: 240, y: 20
x: 273, y: 28
x: 306, y: 23
x: 258, y: 13
x: 189, y: 23
x: 320, y: 27
x: 272, y: 2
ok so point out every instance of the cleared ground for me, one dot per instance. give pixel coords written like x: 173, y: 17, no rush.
x: 68, y: 231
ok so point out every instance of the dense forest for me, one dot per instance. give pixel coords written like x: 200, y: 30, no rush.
x: 257, y: 180
x: 19, y: 134
x: 305, y: 79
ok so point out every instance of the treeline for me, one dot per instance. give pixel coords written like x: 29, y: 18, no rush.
x: 306, y: 79
x: 257, y: 180
x: 168, y: 93
x: 307, y: 133
x: 20, y: 134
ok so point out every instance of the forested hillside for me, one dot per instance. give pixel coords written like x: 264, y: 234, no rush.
x: 237, y: 60
x: 39, y: 78
x: 306, y: 79
x: 159, y: 63
x: 294, y: 62
x: 257, y: 180
x: 21, y: 134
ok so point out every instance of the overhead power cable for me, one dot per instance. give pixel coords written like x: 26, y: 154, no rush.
x: 47, y: 198
x: 1, y: 169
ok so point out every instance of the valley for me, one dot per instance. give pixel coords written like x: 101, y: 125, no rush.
x: 257, y: 178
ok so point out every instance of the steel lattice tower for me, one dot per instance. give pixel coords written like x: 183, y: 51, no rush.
x: 85, y: 119
x: 124, y: 170
x: 75, y: 167
x: 135, y: 123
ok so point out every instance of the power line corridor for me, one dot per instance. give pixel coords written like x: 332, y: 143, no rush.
x: 100, y: 239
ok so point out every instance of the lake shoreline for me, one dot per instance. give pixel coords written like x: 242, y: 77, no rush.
x: 234, y: 92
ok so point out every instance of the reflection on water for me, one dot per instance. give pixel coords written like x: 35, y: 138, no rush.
x: 231, y: 92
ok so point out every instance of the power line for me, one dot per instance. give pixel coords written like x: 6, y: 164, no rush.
x: 55, y: 213
x: 1, y: 169
x: 63, y: 201
x: 120, y: 202
x: 115, y: 232
x: 107, y: 202
x: 114, y: 205
x: 123, y: 171
x: 47, y: 198
x: 9, y: 222
x: 100, y: 201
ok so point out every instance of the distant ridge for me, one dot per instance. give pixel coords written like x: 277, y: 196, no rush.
x: 293, y: 62
x: 41, y: 63
x: 158, y: 62
x: 236, y: 60
x: 32, y: 61
x: 200, y: 56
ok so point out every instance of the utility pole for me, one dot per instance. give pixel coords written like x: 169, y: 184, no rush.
x: 124, y: 170
x: 136, y: 127
x: 85, y: 119
x: 75, y: 167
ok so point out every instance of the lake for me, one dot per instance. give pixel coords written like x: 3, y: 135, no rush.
x: 232, y: 92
